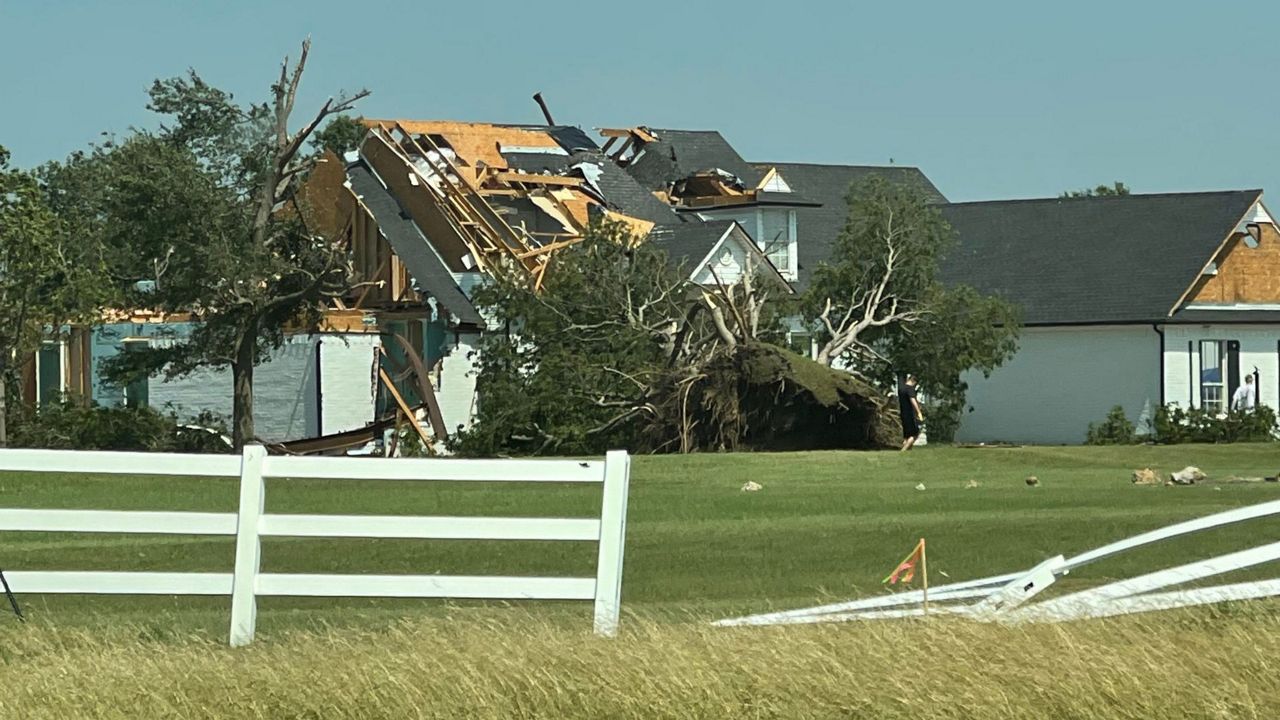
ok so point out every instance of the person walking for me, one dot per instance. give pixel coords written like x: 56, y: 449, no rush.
x: 1245, y: 397
x: 909, y: 408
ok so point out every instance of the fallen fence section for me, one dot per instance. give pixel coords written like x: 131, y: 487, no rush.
x: 244, y: 583
x: 1008, y: 598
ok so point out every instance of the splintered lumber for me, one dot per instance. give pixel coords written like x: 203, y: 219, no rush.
x: 404, y: 407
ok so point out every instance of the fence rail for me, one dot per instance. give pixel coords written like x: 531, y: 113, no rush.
x: 249, y: 524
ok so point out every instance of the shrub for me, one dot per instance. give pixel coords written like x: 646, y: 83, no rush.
x: 1174, y: 425
x: 72, y: 426
x: 1115, y: 429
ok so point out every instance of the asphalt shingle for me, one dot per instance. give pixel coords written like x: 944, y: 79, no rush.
x: 680, y: 153
x: 818, y: 227
x: 424, y: 265
x: 1091, y: 260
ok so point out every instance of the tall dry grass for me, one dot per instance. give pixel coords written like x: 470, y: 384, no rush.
x: 1203, y: 665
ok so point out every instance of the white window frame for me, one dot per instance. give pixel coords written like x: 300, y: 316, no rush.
x: 1219, y: 406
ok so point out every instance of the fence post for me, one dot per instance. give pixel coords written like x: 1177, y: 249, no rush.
x: 244, y: 604
x: 613, y: 532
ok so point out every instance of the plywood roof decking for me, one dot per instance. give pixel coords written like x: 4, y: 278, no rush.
x: 475, y: 143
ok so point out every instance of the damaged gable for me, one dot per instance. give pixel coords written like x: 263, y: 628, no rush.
x: 1243, y: 271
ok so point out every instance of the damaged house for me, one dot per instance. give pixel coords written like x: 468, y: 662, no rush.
x: 429, y: 210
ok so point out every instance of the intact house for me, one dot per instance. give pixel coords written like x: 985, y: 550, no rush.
x: 1135, y: 301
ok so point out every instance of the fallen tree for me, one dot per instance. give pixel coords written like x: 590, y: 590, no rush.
x: 620, y: 349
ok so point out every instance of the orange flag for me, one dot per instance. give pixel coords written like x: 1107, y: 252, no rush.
x: 906, y: 569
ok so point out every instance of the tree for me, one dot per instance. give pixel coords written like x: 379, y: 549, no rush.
x: 571, y: 366
x: 207, y: 210
x: 621, y: 349
x: 1114, y: 190
x: 341, y: 135
x: 881, y: 309
x: 47, y: 279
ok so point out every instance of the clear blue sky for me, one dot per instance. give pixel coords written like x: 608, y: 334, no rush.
x: 990, y: 99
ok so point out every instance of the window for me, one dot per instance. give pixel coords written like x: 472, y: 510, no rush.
x: 1213, y: 388
x: 50, y: 373
x: 775, y: 239
x: 137, y: 394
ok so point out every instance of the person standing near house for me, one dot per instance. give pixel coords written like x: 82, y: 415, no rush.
x: 1244, y: 398
x: 909, y: 408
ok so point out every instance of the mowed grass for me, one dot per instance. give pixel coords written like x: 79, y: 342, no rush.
x: 825, y: 526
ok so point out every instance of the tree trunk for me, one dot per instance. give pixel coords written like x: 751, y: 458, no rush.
x: 242, y: 431
x: 4, y: 405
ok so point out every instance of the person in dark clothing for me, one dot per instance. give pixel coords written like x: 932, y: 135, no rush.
x: 912, y: 415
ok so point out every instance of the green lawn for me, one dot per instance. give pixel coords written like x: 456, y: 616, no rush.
x: 826, y: 525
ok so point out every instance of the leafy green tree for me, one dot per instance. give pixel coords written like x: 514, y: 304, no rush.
x: 341, y: 135
x: 882, y: 311
x: 1114, y: 190
x: 47, y: 277
x: 207, y: 211
x: 607, y: 352
x: 569, y: 367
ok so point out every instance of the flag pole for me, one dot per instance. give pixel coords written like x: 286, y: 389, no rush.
x: 924, y: 571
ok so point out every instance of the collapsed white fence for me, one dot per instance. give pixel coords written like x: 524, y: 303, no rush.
x: 1004, y: 598
x: 251, y: 523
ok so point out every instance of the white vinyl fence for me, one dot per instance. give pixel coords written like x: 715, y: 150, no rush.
x: 245, y: 583
x: 1009, y: 597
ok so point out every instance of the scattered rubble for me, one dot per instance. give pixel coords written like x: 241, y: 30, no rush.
x: 1189, y: 475
x: 1032, y: 480
x: 751, y: 486
x: 971, y: 485
x: 1146, y: 476
x: 920, y: 486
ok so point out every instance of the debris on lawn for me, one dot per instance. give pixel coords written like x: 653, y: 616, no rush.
x: 971, y: 485
x: 920, y: 486
x: 1146, y: 476
x: 1032, y: 480
x: 1231, y: 479
x: 1189, y: 475
x: 751, y: 486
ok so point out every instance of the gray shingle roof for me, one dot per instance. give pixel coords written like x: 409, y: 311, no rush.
x: 1091, y: 260
x: 623, y: 193
x: 818, y: 227
x: 688, y: 243
x: 681, y: 153
x: 424, y: 265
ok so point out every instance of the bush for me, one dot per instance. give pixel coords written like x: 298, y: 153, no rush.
x: 1174, y: 425
x: 72, y: 426
x: 942, y: 420
x: 1114, y: 430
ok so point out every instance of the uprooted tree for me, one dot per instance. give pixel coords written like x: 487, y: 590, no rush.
x: 619, y: 348
x: 47, y: 276
x: 204, y: 217
x: 881, y: 310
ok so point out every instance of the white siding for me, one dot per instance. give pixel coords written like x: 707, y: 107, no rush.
x: 348, y: 381
x: 286, y: 394
x: 456, y: 382
x: 1061, y: 380
x: 1257, y: 349
x: 727, y: 262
